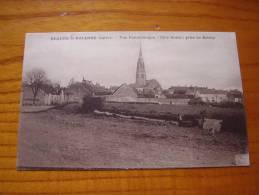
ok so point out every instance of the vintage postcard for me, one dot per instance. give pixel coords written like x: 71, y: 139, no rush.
x: 131, y: 100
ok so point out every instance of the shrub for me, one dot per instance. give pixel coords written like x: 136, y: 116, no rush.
x: 92, y: 103
x: 196, y: 101
x: 228, y: 105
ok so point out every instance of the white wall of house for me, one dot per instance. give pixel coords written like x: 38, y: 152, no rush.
x: 213, y: 97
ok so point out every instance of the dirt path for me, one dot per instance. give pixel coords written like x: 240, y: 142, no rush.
x: 30, y: 109
x: 57, y: 139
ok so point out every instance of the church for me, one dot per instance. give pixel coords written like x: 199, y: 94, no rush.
x: 143, y: 90
x: 144, y: 87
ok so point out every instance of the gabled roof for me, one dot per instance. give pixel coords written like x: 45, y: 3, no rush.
x: 183, y: 90
x: 212, y: 91
x: 118, y: 88
x: 179, y: 87
x: 125, y: 90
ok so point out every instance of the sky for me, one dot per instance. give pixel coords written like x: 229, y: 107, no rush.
x: 110, y: 58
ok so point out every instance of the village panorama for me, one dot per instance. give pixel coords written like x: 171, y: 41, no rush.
x: 135, y: 125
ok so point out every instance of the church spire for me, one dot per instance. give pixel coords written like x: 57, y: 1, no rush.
x: 140, y: 73
x: 140, y: 50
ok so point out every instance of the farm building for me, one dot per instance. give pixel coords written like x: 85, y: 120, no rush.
x: 181, y: 92
x: 212, y: 95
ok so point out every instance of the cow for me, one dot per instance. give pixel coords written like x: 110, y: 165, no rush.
x: 212, y: 125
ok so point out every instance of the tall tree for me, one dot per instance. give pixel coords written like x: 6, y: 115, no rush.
x: 35, y: 79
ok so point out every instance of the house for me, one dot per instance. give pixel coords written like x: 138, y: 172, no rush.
x: 235, y: 96
x: 181, y: 92
x: 212, y: 95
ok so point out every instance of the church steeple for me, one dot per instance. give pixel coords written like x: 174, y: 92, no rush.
x: 140, y: 51
x: 140, y: 73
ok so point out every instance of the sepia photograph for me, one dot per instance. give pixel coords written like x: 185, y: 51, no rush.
x: 131, y: 100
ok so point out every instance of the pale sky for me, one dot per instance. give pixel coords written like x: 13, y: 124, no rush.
x: 202, y: 62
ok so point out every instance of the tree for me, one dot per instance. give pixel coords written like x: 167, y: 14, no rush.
x: 36, y: 79
x: 71, y: 82
x: 56, y: 88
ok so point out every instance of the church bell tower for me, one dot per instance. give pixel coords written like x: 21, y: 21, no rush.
x: 140, y: 73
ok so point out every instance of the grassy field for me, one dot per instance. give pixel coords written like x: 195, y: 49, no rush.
x: 164, y: 109
x: 233, y: 118
x: 61, y: 139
